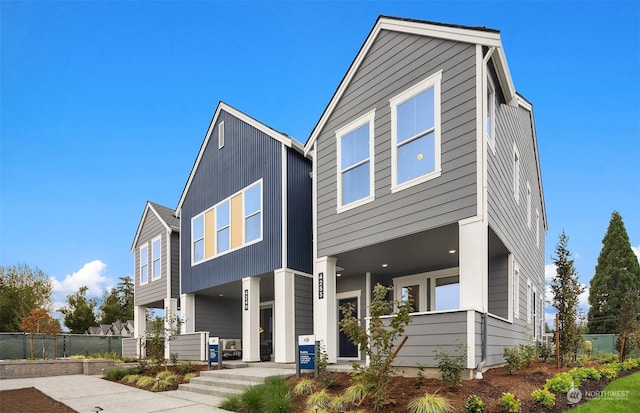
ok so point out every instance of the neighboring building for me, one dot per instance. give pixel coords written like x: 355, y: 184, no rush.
x: 117, y: 328
x: 246, y: 246
x: 156, y: 252
x: 427, y: 178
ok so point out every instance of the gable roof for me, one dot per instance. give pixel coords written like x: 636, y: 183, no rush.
x: 165, y: 215
x: 278, y: 136
x: 475, y: 35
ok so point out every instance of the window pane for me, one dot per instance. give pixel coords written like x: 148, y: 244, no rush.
x: 198, y: 228
x: 223, y: 242
x: 156, y: 269
x: 416, y: 158
x: 253, y: 227
x: 155, y: 247
x: 144, y: 277
x: 144, y: 257
x: 198, y: 250
x: 355, y: 146
x: 355, y: 184
x: 416, y: 115
x: 222, y: 215
x: 447, y: 293
x: 252, y: 199
x: 411, y: 293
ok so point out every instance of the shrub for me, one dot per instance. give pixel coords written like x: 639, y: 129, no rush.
x: 145, y: 382
x: 355, y: 392
x: 339, y: 403
x: 277, y: 402
x: 629, y: 364
x: 606, y: 357
x: 231, y: 402
x: 187, y: 367
x: 167, y: 376
x: 545, y: 351
x: 474, y: 404
x: 544, y: 397
x: 325, y: 376
x: 609, y: 371
x: 430, y: 403
x: 321, y: 399
x: 304, y: 387
x: 584, y: 373
x: 420, y: 375
x: 118, y: 373
x: 510, y: 403
x: 451, y: 366
x: 529, y: 354
x: 561, y: 383
x: 160, y: 385
x: 187, y: 377
x: 513, y: 358
x: 131, y: 378
x: 252, y: 398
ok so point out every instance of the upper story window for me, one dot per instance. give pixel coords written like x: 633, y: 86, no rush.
x: 490, y: 115
x: 229, y: 225
x: 155, y: 259
x: 415, y: 134
x: 220, y: 135
x: 528, y: 205
x: 516, y: 173
x: 356, y: 162
x: 144, y: 264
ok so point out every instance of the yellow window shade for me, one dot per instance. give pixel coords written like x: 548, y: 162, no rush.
x: 236, y: 221
x: 209, y: 234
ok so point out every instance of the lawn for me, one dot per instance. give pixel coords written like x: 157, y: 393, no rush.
x: 623, y: 396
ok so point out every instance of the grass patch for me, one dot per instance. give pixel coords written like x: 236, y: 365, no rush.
x: 625, y: 397
x: 118, y: 373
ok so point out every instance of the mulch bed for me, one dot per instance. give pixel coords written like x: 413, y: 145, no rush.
x: 30, y: 400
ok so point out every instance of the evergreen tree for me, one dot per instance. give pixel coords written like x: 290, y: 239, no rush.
x: 125, y: 294
x: 111, y: 308
x: 79, y: 314
x: 617, y: 272
x: 566, y: 291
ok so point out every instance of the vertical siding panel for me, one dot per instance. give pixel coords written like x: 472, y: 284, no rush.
x: 299, y: 219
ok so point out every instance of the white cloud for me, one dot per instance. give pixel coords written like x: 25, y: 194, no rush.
x: 549, y: 272
x: 91, y: 275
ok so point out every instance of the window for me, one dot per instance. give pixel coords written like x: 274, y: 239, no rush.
x: 415, y: 134
x: 516, y: 290
x: 355, y: 162
x: 529, y: 294
x: 490, y: 115
x: 516, y: 173
x: 535, y: 313
x: 197, y: 238
x: 223, y: 227
x: 155, y: 259
x: 220, y: 135
x: 537, y: 228
x: 144, y: 265
x: 432, y: 291
x: 253, y: 213
x: 528, y: 205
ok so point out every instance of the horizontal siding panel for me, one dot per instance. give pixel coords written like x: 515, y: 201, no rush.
x: 220, y: 316
x: 154, y: 290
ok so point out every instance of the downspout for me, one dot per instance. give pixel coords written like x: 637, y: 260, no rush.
x: 483, y: 345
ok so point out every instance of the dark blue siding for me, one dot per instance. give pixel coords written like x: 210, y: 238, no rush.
x: 247, y: 156
x: 299, y: 217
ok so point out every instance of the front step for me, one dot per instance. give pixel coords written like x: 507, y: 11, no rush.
x: 224, y: 382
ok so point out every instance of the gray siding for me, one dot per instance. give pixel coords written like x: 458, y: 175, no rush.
x: 395, y: 62
x: 130, y: 347
x: 304, y: 305
x: 501, y: 334
x: 299, y: 217
x: 188, y: 346
x: 247, y: 156
x: 507, y: 217
x: 154, y: 290
x: 219, y: 316
x: 499, y: 286
x: 427, y: 331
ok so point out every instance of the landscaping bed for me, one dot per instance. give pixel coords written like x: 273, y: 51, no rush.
x: 156, y: 378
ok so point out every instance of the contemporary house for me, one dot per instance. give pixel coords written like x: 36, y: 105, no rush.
x: 426, y: 178
x: 156, y: 252
x: 246, y: 246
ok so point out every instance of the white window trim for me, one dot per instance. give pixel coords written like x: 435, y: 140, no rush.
x: 516, y: 173
x: 528, y: 205
x: 421, y: 281
x: 245, y: 216
x: 490, y: 111
x: 193, y: 241
x: 154, y: 259
x: 143, y: 247
x: 340, y: 133
x: 516, y: 290
x: 432, y: 81
x: 221, y: 135
x: 529, y: 295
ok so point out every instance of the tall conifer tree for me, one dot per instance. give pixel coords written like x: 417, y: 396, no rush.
x: 616, y: 273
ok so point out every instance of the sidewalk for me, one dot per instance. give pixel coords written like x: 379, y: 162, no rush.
x: 83, y: 393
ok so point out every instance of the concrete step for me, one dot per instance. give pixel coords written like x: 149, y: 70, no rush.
x: 224, y: 382
x: 219, y: 392
x: 207, y: 399
x: 221, y: 383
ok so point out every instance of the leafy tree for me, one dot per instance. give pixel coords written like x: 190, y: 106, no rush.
x: 617, y: 271
x: 117, y: 304
x: 566, y: 291
x: 79, y: 313
x: 125, y: 293
x: 38, y: 321
x: 22, y: 289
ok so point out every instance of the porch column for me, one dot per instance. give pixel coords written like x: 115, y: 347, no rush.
x: 170, y: 319
x: 473, y: 262
x: 251, y: 319
x: 284, y: 316
x: 188, y: 313
x: 325, y: 320
x: 140, y: 327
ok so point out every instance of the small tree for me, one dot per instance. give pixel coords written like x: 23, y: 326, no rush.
x: 79, y: 314
x: 378, y: 343
x: 38, y: 321
x: 566, y: 291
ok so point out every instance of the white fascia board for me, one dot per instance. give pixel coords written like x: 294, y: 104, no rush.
x: 459, y: 34
x: 504, y: 75
x: 287, y: 141
x: 144, y: 216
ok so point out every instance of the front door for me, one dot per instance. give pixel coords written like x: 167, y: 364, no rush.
x: 346, y: 349
x: 266, y: 334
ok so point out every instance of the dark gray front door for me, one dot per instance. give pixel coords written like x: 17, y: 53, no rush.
x: 345, y: 347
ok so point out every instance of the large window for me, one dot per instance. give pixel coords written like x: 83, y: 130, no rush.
x: 144, y: 264
x: 432, y: 291
x: 415, y: 134
x: 223, y: 227
x: 155, y: 259
x: 253, y: 213
x: 197, y: 237
x: 355, y: 162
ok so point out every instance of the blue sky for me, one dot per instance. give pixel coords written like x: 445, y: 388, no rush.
x: 104, y: 106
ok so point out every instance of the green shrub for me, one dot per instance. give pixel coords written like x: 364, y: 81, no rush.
x: 609, y: 371
x: 629, y: 364
x: 131, y: 378
x: 277, y: 402
x: 474, y: 404
x: 529, y: 354
x: 187, y: 377
x: 584, y: 373
x: 118, y: 373
x: 321, y: 399
x: 513, y: 357
x: 430, y: 403
x: 252, y: 398
x: 606, y: 357
x: 510, y: 403
x: 145, y: 382
x: 339, y: 403
x: 160, y: 385
x: 355, y: 392
x: 545, y: 351
x: 561, y: 383
x: 544, y: 397
x: 231, y: 402
x: 451, y: 366
x: 420, y: 375
x: 187, y: 368
x: 304, y: 387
